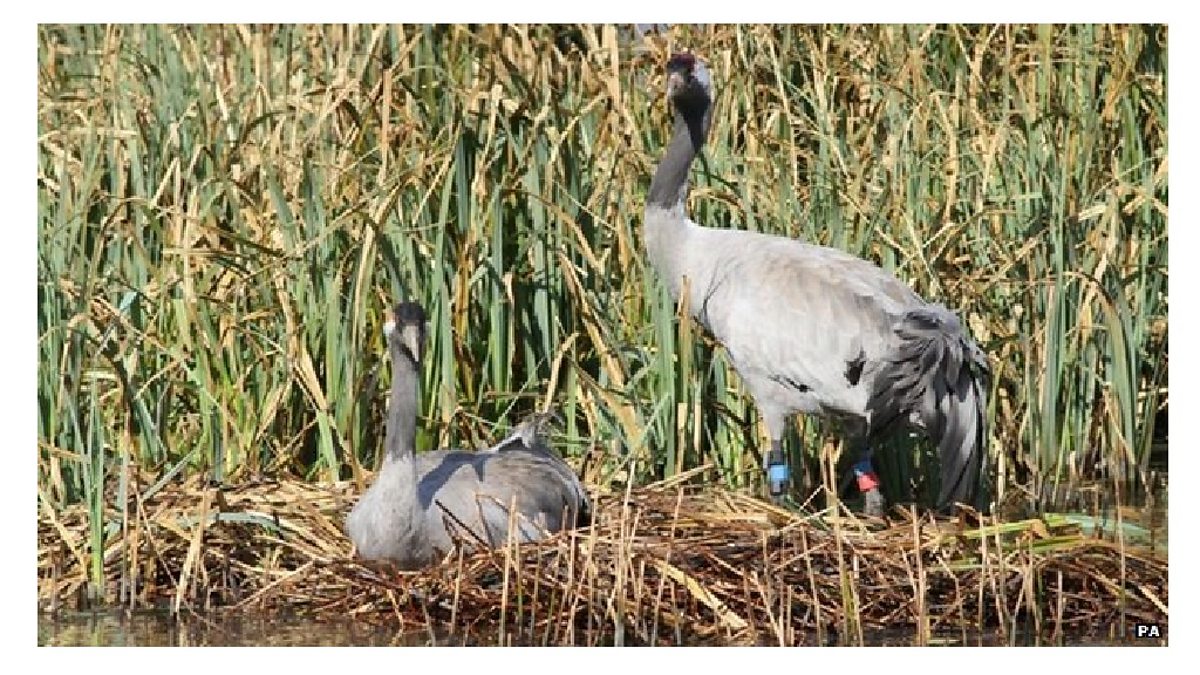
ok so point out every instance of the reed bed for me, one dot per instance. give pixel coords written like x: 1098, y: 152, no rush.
x: 665, y: 564
x: 226, y: 212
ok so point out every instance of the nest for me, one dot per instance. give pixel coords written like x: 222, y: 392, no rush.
x: 664, y: 564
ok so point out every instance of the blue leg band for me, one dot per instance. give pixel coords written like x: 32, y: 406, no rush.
x: 778, y: 473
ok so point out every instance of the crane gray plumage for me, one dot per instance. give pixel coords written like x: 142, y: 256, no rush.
x: 418, y: 505
x: 812, y: 329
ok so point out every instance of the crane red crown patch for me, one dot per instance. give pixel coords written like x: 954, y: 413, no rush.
x: 681, y: 60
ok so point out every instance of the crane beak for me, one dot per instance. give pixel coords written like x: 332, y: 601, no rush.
x: 675, y: 82
x: 412, y: 339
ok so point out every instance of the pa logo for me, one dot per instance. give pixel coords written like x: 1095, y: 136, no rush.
x: 1147, y: 631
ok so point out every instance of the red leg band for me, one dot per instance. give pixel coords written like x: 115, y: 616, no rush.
x: 868, y: 481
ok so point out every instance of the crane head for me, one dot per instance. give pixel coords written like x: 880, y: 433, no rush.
x: 406, y: 330
x: 689, y: 85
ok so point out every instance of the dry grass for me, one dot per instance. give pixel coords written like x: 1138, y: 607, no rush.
x: 664, y: 564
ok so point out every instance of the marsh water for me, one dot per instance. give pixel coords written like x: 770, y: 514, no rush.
x: 159, y: 629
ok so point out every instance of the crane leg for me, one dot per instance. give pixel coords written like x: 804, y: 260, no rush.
x: 868, y: 482
x: 777, y: 470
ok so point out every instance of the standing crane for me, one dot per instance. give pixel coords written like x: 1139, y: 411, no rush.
x: 815, y: 330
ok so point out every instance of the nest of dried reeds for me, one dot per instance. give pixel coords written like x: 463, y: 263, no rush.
x: 662, y: 564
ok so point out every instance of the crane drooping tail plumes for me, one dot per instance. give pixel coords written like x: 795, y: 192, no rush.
x: 814, y: 330
x: 936, y: 378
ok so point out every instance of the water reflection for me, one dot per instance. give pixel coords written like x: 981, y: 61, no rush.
x: 145, y: 629
x: 158, y: 629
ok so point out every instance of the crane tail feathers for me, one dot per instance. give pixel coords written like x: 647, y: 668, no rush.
x: 961, y: 416
x: 939, y: 376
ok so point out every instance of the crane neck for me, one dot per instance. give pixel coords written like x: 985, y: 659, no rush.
x: 400, y: 441
x: 665, y: 228
x: 668, y: 188
x: 405, y: 520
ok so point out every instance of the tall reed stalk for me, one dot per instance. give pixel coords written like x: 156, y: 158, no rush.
x: 225, y: 212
